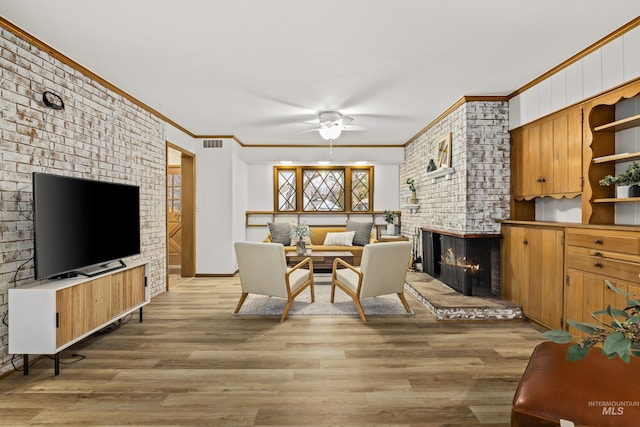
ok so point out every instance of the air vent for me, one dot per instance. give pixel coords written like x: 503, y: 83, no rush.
x: 212, y: 143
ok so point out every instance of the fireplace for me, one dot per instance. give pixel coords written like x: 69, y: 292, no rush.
x: 470, y: 264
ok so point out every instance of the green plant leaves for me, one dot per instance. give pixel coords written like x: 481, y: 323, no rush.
x: 558, y: 336
x: 615, y: 289
x: 576, y: 352
x: 617, y: 343
x: 618, y: 337
x: 589, y: 328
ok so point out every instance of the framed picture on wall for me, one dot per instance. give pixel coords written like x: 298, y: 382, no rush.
x: 443, y: 156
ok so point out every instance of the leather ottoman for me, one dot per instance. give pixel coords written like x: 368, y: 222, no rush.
x: 594, y: 391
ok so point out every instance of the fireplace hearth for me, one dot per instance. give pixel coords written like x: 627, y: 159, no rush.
x: 469, y: 264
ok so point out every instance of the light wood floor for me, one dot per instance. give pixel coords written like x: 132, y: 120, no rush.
x: 192, y: 363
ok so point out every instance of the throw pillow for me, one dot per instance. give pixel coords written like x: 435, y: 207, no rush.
x: 279, y: 232
x: 362, y: 230
x: 344, y: 238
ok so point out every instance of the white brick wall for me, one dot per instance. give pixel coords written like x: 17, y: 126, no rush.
x: 477, y: 194
x: 99, y: 135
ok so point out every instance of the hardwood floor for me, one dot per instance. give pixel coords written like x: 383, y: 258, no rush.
x: 190, y: 362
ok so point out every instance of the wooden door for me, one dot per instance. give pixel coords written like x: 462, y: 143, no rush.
x: 546, y: 162
x: 533, y: 266
x: 552, y: 273
x: 567, y: 159
x: 531, y: 163
x: 174, y: 215
x: 584, y: 294
x: 517, y: 162
x: 514, y: 263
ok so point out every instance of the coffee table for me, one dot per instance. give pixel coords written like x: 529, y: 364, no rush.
x: 322, y: 260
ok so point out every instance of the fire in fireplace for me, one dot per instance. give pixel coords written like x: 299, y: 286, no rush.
x: 470, y: 264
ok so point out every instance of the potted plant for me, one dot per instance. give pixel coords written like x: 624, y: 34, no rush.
x: 617, y: 330
x: 627, y: 182
x: 389, y: 218
x: 412, y: 188
x: 298, y: 233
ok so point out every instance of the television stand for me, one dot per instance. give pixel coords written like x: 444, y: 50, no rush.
x: 46, y: 318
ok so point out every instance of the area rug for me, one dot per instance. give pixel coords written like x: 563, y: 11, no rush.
x: 386, y: 305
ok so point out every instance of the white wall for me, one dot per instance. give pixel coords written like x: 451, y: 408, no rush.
x: 179, y: 138
x: 239, y: 184
x: 615, y: 63
x: 214, y: 209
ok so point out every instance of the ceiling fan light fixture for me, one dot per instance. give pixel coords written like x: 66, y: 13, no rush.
x: 330, y: 133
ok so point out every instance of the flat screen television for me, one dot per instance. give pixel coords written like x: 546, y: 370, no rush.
x: 82, y: 223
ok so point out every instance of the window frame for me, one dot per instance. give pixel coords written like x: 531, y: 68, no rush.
x: 348, y: 182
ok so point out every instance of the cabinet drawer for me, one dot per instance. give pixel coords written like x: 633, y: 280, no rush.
x: 625, y: 242
x: 603, y: 266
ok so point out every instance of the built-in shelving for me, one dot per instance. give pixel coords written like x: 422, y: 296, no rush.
x: 617, y: 158
x: 618, y: 125
x: 617, y: 200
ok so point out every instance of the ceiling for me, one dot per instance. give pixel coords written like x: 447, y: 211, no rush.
x: 256, y: 69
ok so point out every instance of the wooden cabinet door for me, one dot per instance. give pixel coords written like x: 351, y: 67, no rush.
x: 545, y: 173
x: 531, y: 163
x: 65, y: 316
x: 567, y: 148
x: 547, y: 156
x: 545, y: 272
x: 517, y: 162
x: 586, y: 293
x: 514, y: 263
x: 100, y: 301
x: 533, y: 265
x: 133, y: 290
x: 551, y: 278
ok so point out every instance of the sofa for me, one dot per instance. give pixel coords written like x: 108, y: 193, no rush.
x: 594, y: 391
x: 318, y: 235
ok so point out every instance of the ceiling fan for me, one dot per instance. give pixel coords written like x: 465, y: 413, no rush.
x: 330, y: 124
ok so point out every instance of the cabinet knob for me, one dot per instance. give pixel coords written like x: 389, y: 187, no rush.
x: 541, y: 180
x: 597, y: 242
x: 524, y: 242
x: 597, y: 264
x: 597, y: 253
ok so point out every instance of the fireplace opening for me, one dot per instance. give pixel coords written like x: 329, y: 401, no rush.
x: 470, y: 264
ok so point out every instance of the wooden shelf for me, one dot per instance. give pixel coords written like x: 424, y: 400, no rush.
x: 618, y: 125
x: 617, y: 200
x: 617, y: 158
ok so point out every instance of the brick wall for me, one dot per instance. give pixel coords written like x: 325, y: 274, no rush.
x: 98, y: 135
x: 478, y: 192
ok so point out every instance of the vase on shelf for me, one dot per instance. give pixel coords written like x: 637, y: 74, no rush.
x: 626, y: 191
x: 301, y: 247
x: 391, y: 228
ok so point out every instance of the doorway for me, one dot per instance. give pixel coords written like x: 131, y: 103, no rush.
x: 180, y: 214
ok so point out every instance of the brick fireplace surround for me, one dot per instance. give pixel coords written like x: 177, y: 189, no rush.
x: 461, y: 209
x: 469, y: 264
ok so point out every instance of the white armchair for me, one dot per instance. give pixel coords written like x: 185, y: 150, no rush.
x: 263, y: 270
x: 382, y: 271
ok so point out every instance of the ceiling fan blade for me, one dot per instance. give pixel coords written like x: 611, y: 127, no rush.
x: 345, y: 120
